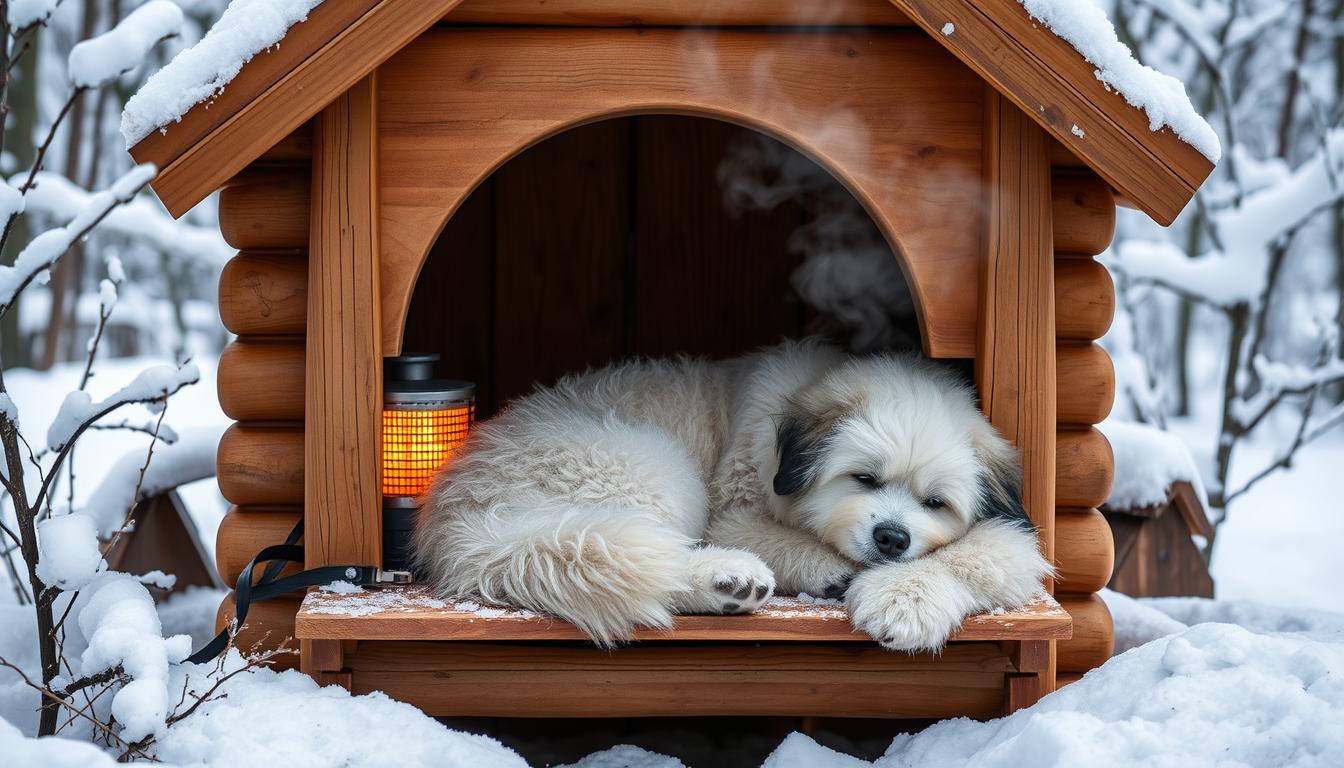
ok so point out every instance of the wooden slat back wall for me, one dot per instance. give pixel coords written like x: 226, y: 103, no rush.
x: 706, y: 280
x: 607, y: 241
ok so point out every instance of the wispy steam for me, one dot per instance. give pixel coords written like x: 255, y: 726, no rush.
x: 848, y: 272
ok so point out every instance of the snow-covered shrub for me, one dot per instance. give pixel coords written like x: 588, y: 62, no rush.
x: 53, y: 551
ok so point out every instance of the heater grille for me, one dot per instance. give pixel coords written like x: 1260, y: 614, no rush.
x: 417, y: 442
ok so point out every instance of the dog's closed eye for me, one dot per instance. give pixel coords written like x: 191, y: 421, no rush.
x: 866, y: 480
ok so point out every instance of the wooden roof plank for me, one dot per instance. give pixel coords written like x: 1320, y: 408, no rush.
x: 1051, y: 81
x: 653, y: 13
x: 325, y: 22
x: 413, y: 613
x: 288, y: 103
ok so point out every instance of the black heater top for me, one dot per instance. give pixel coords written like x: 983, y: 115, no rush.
x: 409, y: 380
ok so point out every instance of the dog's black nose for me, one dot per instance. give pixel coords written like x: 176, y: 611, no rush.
x: 891, y: 541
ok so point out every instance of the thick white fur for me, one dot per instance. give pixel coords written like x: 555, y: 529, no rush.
x: 622, y: 496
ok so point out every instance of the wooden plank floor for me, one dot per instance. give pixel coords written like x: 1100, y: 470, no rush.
x: 414, y: 613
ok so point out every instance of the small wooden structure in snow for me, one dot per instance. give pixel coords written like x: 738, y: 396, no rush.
x: 987, y: 150
x: 1155, y: 511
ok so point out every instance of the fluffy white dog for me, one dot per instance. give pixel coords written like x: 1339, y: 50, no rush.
x: 622, y: 496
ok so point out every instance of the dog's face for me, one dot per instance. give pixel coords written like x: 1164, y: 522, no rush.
x: 887, y: 458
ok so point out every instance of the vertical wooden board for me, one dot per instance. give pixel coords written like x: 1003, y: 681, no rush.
x: 705, y: 280
x: 452, y: 310
x: 1015, y: 359
x: 561, y: 216
x: 342, y: 503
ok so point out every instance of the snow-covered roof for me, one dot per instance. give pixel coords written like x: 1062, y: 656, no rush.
x: 1058, y: 60
x: 1148, y: 461
x: 200, y: 73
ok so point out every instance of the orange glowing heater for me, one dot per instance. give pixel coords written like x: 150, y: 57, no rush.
x: 424, y: 419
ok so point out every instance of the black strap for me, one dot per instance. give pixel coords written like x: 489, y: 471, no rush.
x: 245, y: 592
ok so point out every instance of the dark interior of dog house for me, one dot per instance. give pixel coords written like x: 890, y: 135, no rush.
x: 653, y: 236
x: 650, y: 236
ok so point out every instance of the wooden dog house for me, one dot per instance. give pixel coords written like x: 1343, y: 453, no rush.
x: 351, y: 160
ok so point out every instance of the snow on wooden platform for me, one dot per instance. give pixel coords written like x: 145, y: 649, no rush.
x: 415, y: 613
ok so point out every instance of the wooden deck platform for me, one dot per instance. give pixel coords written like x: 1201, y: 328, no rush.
x: 414, y: 613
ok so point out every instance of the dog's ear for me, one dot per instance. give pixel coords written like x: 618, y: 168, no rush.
x: 799, y: 442
x: 1001, y: 478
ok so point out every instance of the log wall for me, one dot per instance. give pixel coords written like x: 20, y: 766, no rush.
x: 263, y: 298
x: 1084, y: 223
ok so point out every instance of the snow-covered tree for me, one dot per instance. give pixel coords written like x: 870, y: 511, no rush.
x: 1242, y: 297
x: 52, y: 550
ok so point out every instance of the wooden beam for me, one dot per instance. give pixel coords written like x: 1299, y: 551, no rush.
x: 342, y: 503
x: 1050, y: 81
x: 417, y: 613
x: 265, y: 293
x: 298, y: 94
x: 264, y: 70
x: 676, y: 13
x: 1015, y: 359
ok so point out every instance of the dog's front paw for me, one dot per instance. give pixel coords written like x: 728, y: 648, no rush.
x: 827, y: 575
x: 907, y: 606
x: 726, y: 581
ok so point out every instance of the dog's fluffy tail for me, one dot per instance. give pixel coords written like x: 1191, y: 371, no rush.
x: 606, y: 571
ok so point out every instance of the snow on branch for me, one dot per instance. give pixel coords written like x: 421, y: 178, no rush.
x: 1237, y: 274
x: 1279, y: 379
x: 117, y: 618
x: 26, y: 13
x: 44, y: 250
x: 68, y: 553
x: 56, y: 196
x: 152, y: 386
x: 11, y: 204
x: 1084, y: 26
x: 1267, y: 215
x: 106, y: 57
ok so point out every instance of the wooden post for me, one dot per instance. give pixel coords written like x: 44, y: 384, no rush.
x: 343, y: 374
x: 1015, y: 355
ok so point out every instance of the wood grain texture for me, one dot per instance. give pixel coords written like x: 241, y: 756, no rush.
x: 1047, y: 79
x: 269, y: 624
x: 415, y: 614
x: 1084, y: 299
x: 265, y: 293
x: 294, y: 149
x: 1015, y: 356
x: 452, y: 311
x: 262, y: 380
x: 261, y: 464
x: 245, y: 531
x: 1021, y: 690
x: 1084, y: 551
x: 344, y: 389
x: 1084, y: 213
x: 457, y: 103
x: 1085, y: 382
x: 560, y: 259
x: 266, y: 208
x: 446, y: 679
x: 720, y: 287
x: 247, y: 128
x: 1093, y: 634
x: 264, y: 70
x: 654, y: 13
x: 1085, y: 468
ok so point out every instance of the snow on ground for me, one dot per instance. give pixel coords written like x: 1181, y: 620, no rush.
x: 1251, y: 685
x: 1280, y: 542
